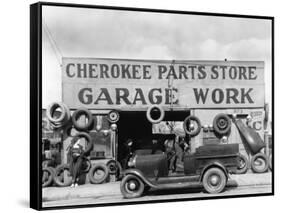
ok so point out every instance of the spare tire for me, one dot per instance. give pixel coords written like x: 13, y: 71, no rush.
x: 259, y: 163
x: 98, y: 173
x: 243, y: 164
x: 113, y: 116
x: 114, y: 168
x: 186, y: 125
x: 60, y: 178
x: 150, y: 117
x: 47, y: 176
x: 76, y: 115
x: 222, y: 124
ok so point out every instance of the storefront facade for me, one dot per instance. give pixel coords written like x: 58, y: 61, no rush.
x: 180, y: 88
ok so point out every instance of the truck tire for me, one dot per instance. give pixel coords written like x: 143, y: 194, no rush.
x: 222, y: 124
x: 259, y: 163
x: 60, y: 178
x: 94, y: 173
x: 76, y: 115
x: 186, y: 125
x: 243, y: 164
x: 214, y: 180
x: 131, y: 186
x: 149, y: 116
x: 47, y: 176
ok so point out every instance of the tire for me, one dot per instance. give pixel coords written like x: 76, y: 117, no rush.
x: 113, y: 116
x: 52, y: 108
x: 261, y: 159
x: 62, y: 120
x: 270, y: 162
x: 222, y: 124
x: 114, y: 168
x: 131, y: 186
x: 50, y: 172
x: 95, y: 169
x: 148, y: 114
x: 77, y: 114
x: 60, y: 177
x: 243, y: 164
x: 86, y: 166
x: 214, y: 180
x: 187, y: 122
x: 90, y: 143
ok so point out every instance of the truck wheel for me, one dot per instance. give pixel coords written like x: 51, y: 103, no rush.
x: 47, y: 176
x: 243, y: 164
x: 259, y: 163
x: 189, y: 122
x: 62, y: 176
x: 98, y: 173
x: 222, y: 124
x: 151, y: 110
x: 214, y: 180
x: 76, y: 115
x: 131, y: 186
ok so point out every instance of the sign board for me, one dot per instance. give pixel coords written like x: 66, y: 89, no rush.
x: 137, y: 84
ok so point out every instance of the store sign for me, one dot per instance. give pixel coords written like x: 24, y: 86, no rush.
x: 137, y: 84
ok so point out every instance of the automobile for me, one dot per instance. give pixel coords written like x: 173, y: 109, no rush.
x: 209, y: 165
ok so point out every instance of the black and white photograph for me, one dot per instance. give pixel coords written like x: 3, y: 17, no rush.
x: 147, y: 105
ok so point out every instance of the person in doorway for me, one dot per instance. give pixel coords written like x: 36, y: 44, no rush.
x: 76, y: 154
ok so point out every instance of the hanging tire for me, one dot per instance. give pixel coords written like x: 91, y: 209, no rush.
x: 259, y: 163
x: 243, y: 164
x: 76, y: 115
x: 214, y: 180
x: 131, y: 186
x: 88, y: 138
x: 113, y: 116
x: 222, y: 124
x: 64, y: 117
x: 155, y: 120
x: 60, y: 178
x: 47, y: 176
x: 98, y: 173
x: 187, y: 125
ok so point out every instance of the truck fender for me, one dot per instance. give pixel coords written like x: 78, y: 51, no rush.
x: 214, y: 165
x: 140, y: 175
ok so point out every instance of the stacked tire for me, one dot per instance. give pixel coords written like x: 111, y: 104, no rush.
x: 58, y: 114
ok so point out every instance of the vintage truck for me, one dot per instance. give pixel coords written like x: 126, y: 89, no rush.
x: 209, y: 166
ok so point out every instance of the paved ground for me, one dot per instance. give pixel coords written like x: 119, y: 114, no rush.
x: 110, y: 192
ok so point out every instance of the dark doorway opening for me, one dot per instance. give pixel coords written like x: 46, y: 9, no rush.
x: 135, y: 126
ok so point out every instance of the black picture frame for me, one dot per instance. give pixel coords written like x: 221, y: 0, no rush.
x: 36, y: 100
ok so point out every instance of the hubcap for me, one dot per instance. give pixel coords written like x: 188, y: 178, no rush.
x: 214, y: 180
x: 132, y: 185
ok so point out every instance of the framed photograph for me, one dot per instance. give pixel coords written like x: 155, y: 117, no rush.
x: 134, y: 105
